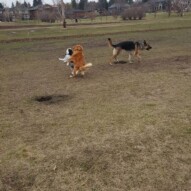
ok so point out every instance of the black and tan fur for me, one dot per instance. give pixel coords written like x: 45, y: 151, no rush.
x: 130, y: 46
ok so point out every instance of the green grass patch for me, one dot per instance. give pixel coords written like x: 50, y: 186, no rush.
x: 161, y: 22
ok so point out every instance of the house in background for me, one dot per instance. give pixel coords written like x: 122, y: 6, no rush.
x: 34, y: 12
x: 24, y: 12
x: 157, y: 5
x: 1, y: 14
x: 117, y: 8
x: 40, y: 11
x: 75, y: 13
x: 160, y: 5
x: 6, y: 15
x: 21, y: 12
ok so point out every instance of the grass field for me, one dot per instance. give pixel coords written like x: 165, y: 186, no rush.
x: 125, y: 127
x: 83, y: 29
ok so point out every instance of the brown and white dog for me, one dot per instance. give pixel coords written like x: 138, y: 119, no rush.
x: 129, y: 46
x: 78, y: 60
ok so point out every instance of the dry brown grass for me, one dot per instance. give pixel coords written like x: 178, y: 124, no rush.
x: 121, y: 127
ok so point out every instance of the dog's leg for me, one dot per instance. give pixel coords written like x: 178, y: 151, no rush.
x: 82, y: 73
x: 71, y: 66
x: 129, y: 59
x: 137, y: 54
x: 74, y: 72
x: 139, y: 58
x: 115, y: 54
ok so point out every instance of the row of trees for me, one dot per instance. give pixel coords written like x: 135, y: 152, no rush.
x: 1, y: 6
x: 102, y: 5
x: 24, y: 4
x: 178, y: 6
x: 75, y: 4
x: 37, y: 2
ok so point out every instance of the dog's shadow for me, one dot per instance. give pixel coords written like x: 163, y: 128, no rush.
x: 120, y: 62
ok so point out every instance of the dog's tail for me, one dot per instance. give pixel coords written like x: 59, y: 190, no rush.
x: 88, y: 65
x: 110, y: 43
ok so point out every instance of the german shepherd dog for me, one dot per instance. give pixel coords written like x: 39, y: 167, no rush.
x: 129, y: 46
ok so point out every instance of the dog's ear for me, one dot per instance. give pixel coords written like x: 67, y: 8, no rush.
x: 144, y: 42
x: 81, y: 48
x: 70, y: 51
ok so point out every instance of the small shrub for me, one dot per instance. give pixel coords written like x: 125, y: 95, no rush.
x: 47, y: 17
x: 133, y: 13
x: 123, y: 16
x: 140, y: 13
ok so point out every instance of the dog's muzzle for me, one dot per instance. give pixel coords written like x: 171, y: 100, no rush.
x: 148, y: 48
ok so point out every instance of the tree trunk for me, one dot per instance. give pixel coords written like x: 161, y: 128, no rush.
x: 169, y: 7
x: 63, y: 14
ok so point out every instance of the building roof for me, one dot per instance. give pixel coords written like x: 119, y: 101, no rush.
x: 119, y: 5
x: 46, y: 6
x: 158, y: 1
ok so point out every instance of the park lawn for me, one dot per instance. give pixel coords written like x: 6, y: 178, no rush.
x: 121, y: 127
x: 150, y: 23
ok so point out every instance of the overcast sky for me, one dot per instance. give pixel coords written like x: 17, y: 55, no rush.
x: 9, y: 2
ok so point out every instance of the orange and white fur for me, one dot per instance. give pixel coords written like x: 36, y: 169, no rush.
x: 78, y: 59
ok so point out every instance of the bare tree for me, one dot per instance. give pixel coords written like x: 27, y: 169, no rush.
x: 48, y: 15
x: 61, y: 9
x: 6, y: 15
x: 169, y: 7
x: 63, y: 14
x: 153, y: 7
x: 180, y: 6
